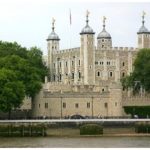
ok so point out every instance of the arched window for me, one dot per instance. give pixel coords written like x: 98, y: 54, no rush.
x: 79, y: 75
x: 123, y: 74
x: 102, y: 46
x: 98, y: 73
x: 79, y: 62
x: 110, y: 74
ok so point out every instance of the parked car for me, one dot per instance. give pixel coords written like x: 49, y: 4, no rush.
x: 77, y: 117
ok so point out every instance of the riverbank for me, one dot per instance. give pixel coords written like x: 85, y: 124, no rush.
x: 107, y: 132
x: 73, y: 129
x: 75, y: 142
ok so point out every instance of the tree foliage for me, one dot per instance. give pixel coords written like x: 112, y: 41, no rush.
x: 141, y: 71
x: 141, y: 111
x: 11, y: 90
x: 21, y: 73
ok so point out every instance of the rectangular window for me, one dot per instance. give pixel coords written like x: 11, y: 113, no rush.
x: 72, y: 63
x: 88, y: 105
x: 115, y: 103
x: 46, y: 105
x: 76, y: 105
x: 96, y: 63
x: 90, y: 66
x: 110, y: 74
x: 106, y: 105
x: 66, y: 64
x: 79, y: 62
x: 39, y: 105
x: 72, y: 75
x: 54, y: 77
x: 64, y: 105
x: 79, y: 75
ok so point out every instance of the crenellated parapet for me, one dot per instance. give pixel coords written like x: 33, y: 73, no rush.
x: 118, y: 49
x: 67, y: 50
x: 124, y: 48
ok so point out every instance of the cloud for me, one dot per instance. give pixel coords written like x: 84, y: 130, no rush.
x: 29, y: 21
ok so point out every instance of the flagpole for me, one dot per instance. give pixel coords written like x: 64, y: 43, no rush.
x: 70, y: 26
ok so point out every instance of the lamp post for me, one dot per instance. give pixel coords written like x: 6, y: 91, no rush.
x: 58, y: 60
x: 92, y: 106
x: 141, y: 87
x: 61, y: 108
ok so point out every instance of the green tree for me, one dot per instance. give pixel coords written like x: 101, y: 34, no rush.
x: 29, y: 70
x: 141, y: 111
x: 11, y: 91
x: 139, y: 77
x: 141, y: 71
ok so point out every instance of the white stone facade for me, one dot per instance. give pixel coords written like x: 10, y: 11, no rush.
x: 86, y: 80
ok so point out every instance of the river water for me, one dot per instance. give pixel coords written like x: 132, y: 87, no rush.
x: 75, y: 142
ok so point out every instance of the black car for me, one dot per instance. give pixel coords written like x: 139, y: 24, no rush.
x: 77, y: 117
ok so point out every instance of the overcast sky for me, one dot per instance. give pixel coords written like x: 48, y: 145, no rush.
x: 29, y: 21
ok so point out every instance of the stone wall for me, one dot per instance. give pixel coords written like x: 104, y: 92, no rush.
x: 84, y: 101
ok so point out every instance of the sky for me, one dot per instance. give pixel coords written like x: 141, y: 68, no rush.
x: 28, y: 22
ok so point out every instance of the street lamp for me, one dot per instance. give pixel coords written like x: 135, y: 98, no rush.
x: 92, y: 106
x: 141, y: 88
x: 61, y: 108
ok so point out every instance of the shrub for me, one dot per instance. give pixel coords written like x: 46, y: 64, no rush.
x: 142, y: 128
x: 91, y: 129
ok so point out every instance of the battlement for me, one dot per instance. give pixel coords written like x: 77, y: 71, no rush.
x: 67, y: 50
x: 124, y: 48
x: 121, y: 49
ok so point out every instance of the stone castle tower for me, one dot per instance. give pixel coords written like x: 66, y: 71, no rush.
x: 143, y: 35
x: 87, y: 54
x: 86, y: 80
x: 104, y: 38
x: 52, y: 45
x: 80, y: 66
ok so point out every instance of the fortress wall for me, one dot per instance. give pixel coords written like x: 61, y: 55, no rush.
x: 56, y: 102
